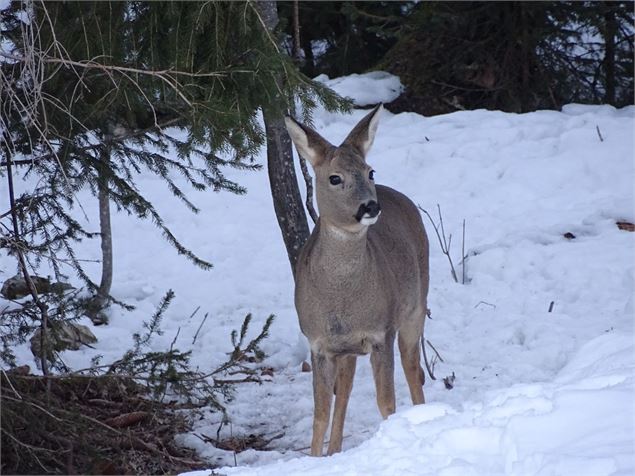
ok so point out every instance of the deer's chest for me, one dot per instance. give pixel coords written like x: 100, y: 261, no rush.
x: 350, y: 312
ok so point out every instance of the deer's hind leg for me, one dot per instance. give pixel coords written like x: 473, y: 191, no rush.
x: 409, y: 340
x: 323, y: 384
x: 343, y: 385
x: 382, y: 359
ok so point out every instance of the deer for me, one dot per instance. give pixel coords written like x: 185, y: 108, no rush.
x: 361, y: 278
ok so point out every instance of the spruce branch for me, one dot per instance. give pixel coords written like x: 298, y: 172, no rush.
x: 44, y: 344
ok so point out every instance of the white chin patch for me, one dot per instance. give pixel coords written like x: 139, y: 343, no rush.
x: 367, y: 220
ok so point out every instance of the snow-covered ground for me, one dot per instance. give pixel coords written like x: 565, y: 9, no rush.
x: 536, y: 392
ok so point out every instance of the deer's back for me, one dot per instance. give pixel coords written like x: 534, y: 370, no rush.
x: 401, y: 236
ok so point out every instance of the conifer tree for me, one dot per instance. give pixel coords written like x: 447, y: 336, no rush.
x: 96, y: 93
x: 513, y: 56
x: 282, y: 177
x: 349, y: 37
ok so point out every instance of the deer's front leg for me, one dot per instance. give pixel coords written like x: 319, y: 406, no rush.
x: 382, y: 360
x: 323, y: 385
x: 343, y: 386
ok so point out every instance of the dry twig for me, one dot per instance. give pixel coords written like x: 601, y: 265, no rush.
x: 429, y: 366
x: 435, y: 350
x: 446, y: 243
x: 199, y: 327
x: 597, y: 128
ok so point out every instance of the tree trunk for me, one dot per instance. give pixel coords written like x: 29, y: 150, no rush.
x: 105, y: 230
x: 610, y: 30
x: 297, y: 56
x: 525, y: 58
x: 287, y: 200
x: 100, y: 301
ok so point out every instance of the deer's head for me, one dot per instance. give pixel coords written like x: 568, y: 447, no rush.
x: 344, y: 182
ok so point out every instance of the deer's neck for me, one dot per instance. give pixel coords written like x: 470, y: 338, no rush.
x: 341, y: 252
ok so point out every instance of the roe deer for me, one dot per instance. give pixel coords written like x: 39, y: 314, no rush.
x: 361, y: 278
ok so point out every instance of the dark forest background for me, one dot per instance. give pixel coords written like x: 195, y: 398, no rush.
x: 512, y: 56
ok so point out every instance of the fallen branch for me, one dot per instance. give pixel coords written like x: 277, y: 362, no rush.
x: 127, y: 419
x: 239, y: 444
x: 486, y: 303
x: 104, y: 403
x: 597, y: 128
x: 248, y: 379
x: 69, y: 429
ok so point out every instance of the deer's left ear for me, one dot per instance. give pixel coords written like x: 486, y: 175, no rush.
x: 363, y: 134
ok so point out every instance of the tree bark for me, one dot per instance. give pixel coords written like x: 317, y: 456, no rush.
x: 297, y: 56
x: 299, y: 61
x: 525, y: 58
x: 285, y: 192
x: 96, y: 306
x: 105, y: 230
x: 610, y: 30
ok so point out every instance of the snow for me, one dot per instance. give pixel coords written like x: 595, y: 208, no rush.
x: 536, y: 392
x: 579, y: 423
x: 365, y: 89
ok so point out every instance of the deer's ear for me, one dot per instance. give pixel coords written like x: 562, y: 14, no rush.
x: 363, y: 134
x: 311, y: 145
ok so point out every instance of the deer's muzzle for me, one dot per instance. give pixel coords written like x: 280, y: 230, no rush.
x: 368, y: 210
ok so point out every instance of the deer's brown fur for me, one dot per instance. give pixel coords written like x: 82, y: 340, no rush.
x: 361, y: 280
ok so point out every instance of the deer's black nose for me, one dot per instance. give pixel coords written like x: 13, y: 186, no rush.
x: 368, y: 210
x: 373, y: 208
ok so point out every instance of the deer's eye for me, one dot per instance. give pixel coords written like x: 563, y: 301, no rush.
x: 371, y: 175
x: 335, y: 179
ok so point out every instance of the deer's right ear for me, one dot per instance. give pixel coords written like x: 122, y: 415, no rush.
x: 311, y: 145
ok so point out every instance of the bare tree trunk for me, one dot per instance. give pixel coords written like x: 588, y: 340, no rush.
x: 610, y: 30
x: 297, y: 56
x: 96, y: 306
x: 526, y: 58
x: 287, y: 200
x: 105, y: 231
x: 299, y: 61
